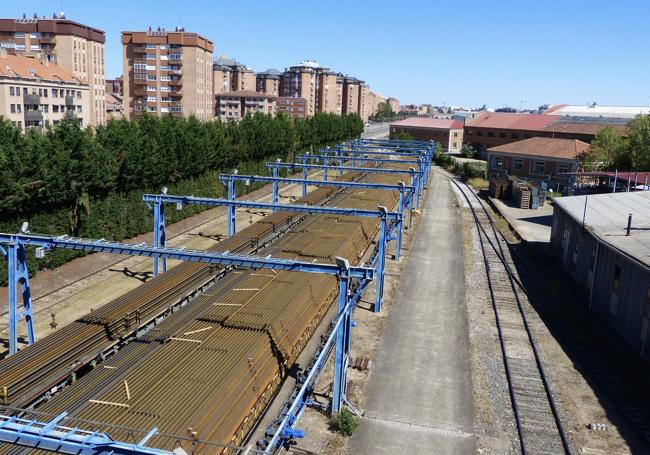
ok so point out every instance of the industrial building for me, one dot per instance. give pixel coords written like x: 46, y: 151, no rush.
x: 603, y: 243
x: 539, y: 159
x: 447, y: 132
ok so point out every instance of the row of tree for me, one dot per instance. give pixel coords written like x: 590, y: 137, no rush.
x: 65, y: 166
x: 610, y: 150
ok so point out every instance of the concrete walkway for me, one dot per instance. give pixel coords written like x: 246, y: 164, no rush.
x: 419, y: 394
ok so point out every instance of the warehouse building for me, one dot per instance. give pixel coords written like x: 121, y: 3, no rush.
x: 607, y: 254
x: 448, y: 132
x: 538, y: 159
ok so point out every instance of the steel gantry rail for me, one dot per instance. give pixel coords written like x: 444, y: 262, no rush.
x: 385, y: 217
x: 416, y: 174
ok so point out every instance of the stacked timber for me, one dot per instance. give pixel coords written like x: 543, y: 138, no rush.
x: 521, y: 193
x: 499, y: 187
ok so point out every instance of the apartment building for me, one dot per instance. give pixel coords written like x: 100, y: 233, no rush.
x: 35, y: 92
x: 327, y: 95
x: 364, y: 101
x: 394, y: 104
x: 231, y: 76
x: 351, y: 95
x: 293, y: 107
x: 75, y: 48
x: 115, y: 86
x: 235, y: 105
x: 340, y: 82
x: 268, y: 82
x: 167, y: 72
x: 302, y: 81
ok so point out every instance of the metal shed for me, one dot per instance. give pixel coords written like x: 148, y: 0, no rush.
x: 590, y: 237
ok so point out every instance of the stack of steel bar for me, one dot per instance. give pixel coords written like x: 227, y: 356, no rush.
x: 209, y: 369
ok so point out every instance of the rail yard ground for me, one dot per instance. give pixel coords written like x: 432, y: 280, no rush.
x: 435, y: 380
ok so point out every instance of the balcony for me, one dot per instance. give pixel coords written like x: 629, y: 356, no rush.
x: 176, y: 83
x: 175, y: 61
x: 139, y: 92
x: 47, y: 39
x: 140, y: 81
x: 141, y: 50
x: 33, y: 116
x: 175, y: 104
x: 69, y: 100
x: 176, y: 93
x: 32, y: 98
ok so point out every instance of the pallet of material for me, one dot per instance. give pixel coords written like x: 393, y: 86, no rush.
x: 521, y: 193
x: 499, y: 187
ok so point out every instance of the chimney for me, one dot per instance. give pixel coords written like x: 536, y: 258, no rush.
x: 629, y: 224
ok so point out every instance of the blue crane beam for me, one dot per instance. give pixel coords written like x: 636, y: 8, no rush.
x: 53, y: 437
x: 384, y: 216
x: 406, y: 191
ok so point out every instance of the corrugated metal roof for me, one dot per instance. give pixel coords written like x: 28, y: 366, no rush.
x: 594, y: 110
x: 606, y: 217
x: 426, y: 122
x: 510, y: 121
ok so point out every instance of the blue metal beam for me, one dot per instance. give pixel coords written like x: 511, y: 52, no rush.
x: 53, y: 437
x: 385, y: 217
x: 360, y: 159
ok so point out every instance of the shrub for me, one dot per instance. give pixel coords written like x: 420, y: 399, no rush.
x: 344, y: 422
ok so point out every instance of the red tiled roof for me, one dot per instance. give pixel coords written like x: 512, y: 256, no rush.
x: 509, y: 121
x: 32, y: 68
x: 568, y: 149
x: 583, y: 128
x: 426, y: 122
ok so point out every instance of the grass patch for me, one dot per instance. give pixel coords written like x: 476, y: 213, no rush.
x: 344, y: 422
x: 478, y: 183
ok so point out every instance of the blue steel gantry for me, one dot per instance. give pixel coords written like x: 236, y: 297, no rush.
x: 394, y: 218
x: 416, y: 174
x: 19, y: 433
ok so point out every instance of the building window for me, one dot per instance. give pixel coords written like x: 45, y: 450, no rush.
x: 12, y: 108
x: 454, y: 145
x: 502, y: 134
x: 151, y: 88
x: 24, y: 90
x: 517, y: 164
x: 616, y: 280
x: 563, y: 167
x: 479, y: 133
x: 18, y: 108
x: 455, y: 135
x: 497, y: 162
x: 151, y: 57
x: 45, y: 92
x: 55, y: 93
x: 538, y: 168
x: 151, y: 46
x: 11, y: 91
x: 514, y: 135
x: 152, y: 98
x: 45, y: 108
x: 79, y: 108
x: 55, y: 108
x: 490, y: 134
x: 140, y: 66
x: 78, y: 93
x: 151, y: 77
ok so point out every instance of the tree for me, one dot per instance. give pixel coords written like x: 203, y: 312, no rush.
x: 639, y: 143
x: 384, y: 112
x: 608, y: 150
x: 468, y: 151
x: 402, y: 136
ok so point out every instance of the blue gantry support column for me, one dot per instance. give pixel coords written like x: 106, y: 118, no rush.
x: 18, y: 273
x: 381, y: 259
x: 232, y: 214
x: 342, y: 348
x: 326, y: 163
x: 276, y: 187
x: 400, y: 224
x: 159, y: 234
x: 304, y: 176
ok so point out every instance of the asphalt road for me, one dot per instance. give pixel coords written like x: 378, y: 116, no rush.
x: 419, y: 395
x: 375, y: 131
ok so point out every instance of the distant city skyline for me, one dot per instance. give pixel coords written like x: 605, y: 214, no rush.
x: 497, y: 54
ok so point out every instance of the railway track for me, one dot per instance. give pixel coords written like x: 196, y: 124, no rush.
x: 539, y: 428
x: 212, y: 366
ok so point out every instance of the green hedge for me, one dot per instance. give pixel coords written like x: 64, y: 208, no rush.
x: 90, y: 183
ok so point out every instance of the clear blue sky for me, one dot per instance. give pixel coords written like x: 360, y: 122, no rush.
x: 467, y: 52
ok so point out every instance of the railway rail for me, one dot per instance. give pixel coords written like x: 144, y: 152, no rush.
x: 539, y: 427
x: 211, y: 367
